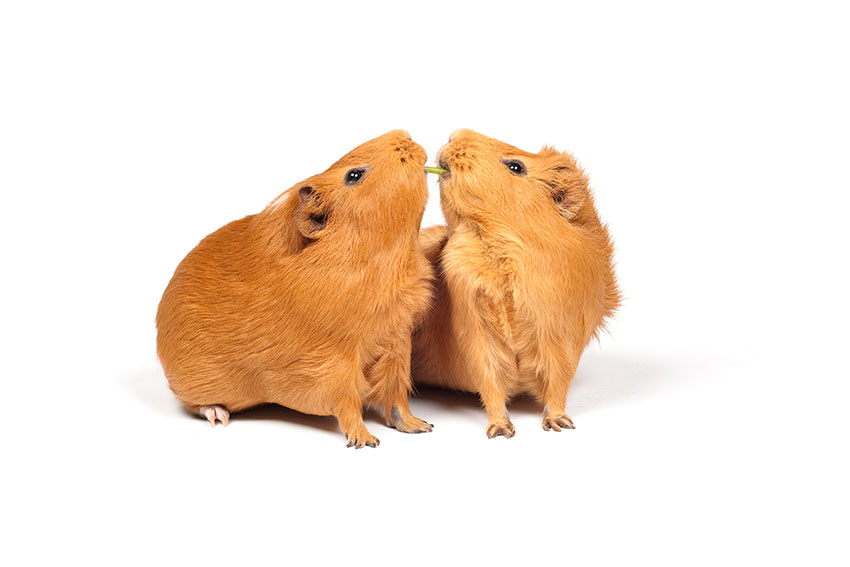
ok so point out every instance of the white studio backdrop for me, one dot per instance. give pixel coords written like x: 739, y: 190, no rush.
x: 710, y: 421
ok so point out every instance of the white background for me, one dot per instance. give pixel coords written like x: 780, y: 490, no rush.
x: 711, y: 422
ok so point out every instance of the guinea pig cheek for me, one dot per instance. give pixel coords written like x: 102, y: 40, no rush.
x: 459, y: 194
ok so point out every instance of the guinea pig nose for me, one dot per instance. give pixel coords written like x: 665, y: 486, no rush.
x: 442, y: 161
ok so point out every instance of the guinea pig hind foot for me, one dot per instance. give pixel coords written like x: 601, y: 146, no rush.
x: 403, y: 420
x: 215, y: 414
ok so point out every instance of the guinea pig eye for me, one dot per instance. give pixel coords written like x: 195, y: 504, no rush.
x: 354, y: 176
x: 516, y: 166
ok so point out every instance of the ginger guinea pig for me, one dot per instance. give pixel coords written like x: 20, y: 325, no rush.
x: 524, y: 274
x: 310, y: 303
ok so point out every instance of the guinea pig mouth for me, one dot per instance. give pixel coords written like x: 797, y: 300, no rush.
x: 445, y: 165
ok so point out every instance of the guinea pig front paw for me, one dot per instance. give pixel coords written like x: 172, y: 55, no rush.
x: 557, y: 421
x: 362, y: 439
x: 406, y: 422
x: 504, y: 428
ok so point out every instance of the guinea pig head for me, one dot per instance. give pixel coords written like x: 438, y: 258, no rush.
x: 490, y: 181
x: 378, y: 190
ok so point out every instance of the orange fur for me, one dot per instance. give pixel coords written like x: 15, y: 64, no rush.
x: 524, y: 278
x: 310, y: 303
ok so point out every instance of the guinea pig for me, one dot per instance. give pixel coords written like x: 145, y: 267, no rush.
x: 524, y: 278
x: 309, y: 304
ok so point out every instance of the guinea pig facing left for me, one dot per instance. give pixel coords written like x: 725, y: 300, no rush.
x: 310, y: 303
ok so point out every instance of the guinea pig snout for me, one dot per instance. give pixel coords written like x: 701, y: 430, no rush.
x: 455, y: 155
x: 409, y: 151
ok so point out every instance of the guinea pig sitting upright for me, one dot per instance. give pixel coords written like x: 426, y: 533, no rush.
x: 309, y: 304
x: 524, y: 278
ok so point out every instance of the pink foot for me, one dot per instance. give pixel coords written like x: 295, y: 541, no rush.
x: 214, y: 414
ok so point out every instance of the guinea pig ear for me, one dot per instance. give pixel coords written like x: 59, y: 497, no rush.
x: 567, y: 185
x: 311, y: 215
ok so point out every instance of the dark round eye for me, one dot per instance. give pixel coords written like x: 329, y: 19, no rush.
x: 354, y: 176
x: 516, y: 166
